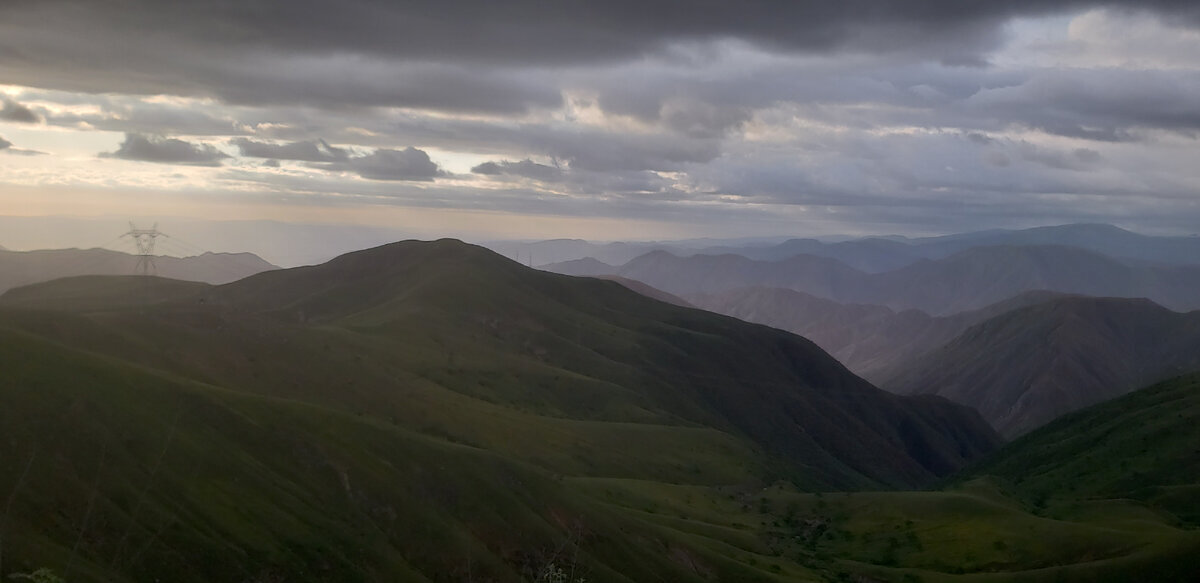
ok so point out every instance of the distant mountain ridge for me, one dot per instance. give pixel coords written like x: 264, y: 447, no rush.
x: 971, y: 279
x: 879, y: 254
x: 18, y: 268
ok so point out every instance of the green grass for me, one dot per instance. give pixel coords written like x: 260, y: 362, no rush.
x: 189, y: 482
x: 476, y: 422
x: 1143, y: 446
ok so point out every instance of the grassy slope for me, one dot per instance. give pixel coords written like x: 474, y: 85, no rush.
x: 272, y: 479
x: 189, y: 482
x: 1142, y: 446
x: 153, y: 477
x: 447, y: 321
x: 970, y: 533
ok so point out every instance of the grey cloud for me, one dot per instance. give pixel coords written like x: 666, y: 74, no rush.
x: 586, y: 182
x: 307, y: 151
x: 524, y: 168
x: 1000, y: 152
x: 620, y: 152
x: 13, y: 111
x: 1101, y: 105
x: 1078, y: 159
x: 387, y: 164
x: 132, y: 115
x: 5, y: 144
x: 166, y: 151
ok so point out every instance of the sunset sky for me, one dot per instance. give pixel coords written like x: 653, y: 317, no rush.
x: 605, y: 120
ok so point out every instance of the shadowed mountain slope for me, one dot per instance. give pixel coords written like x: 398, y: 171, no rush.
x: 489, y: 328
x: 1028, y: 366
x: 18, y: 268
x: 779, y: 390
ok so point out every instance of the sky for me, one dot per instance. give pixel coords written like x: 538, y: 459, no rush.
x: 602, y: 120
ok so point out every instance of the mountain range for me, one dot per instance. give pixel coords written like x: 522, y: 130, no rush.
x: 416, y: 411
x: 433, y: 411
x: 18, y: 268
x: 1021, y: 362
x: 877, y: 254
x: 968, y: 280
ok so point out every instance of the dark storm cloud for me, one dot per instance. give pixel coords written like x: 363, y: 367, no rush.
x: 13, y: 111
x: 166, y: 151
x: 307, y: 151
x: 457, y: 55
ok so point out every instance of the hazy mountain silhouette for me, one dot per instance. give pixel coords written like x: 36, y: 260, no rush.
x: 968, y: 280
x: 984, y: 275
x: 19, y: 268
x: 876, y: 254
x: 866, y: 338
x: 701, y: 274
x: 1099, y: 238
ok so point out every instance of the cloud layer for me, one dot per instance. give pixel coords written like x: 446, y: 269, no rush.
x: 912, y: 114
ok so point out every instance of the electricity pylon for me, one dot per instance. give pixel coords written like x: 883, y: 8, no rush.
x: 144, y: 239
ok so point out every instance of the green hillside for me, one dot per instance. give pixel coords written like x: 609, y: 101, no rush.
x: 434, y: 412
x: 116, y: 473
x: 1143, y: 446
x: 496, y: 349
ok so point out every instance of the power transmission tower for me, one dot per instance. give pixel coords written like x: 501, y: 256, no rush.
x: 144, y: 239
